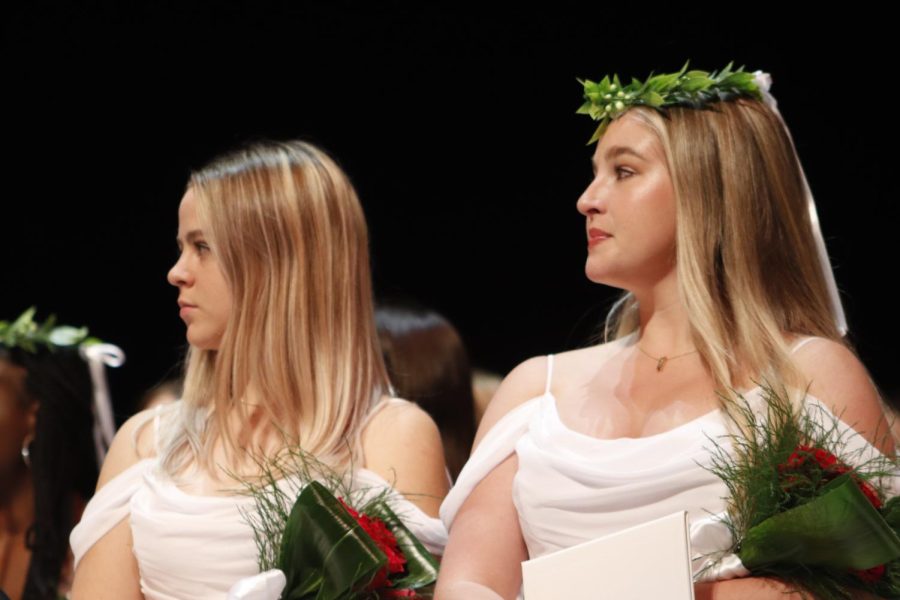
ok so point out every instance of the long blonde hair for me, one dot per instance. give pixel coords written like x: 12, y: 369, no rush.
x: 748, y: 269
x: 291, y: 240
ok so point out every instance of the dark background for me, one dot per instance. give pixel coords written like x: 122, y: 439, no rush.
x: 457, y: 126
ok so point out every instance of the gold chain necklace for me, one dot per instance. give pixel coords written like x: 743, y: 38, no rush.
x: 662, y: 360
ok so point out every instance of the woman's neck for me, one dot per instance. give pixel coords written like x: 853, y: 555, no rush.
x: 17, y: 505
x: 664, y: 325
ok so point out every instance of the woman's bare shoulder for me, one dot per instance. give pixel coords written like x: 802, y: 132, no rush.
x: 839, y: 380
x: 394, y: 413
x: 402, y: 444
x: 529, y: 380
x: 525, y: 382
x: 134, y: 441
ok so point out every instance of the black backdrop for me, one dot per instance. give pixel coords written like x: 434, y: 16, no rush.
x: 457, y: 126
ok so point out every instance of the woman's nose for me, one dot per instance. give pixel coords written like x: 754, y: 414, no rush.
x: 178, y: 275
x: 591, y: 199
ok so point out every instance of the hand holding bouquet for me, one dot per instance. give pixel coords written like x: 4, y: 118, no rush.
x: 800, y: 512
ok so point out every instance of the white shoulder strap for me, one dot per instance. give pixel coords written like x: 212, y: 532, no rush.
x: 549, y: 373
x: 157, y: 442
x: 801, y: 343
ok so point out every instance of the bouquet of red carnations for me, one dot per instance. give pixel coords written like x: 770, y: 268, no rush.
x: 321, y: 547
x: 800, y: 512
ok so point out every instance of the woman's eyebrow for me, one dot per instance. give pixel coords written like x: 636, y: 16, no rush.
x: 189, y: 237
x: 616, y: 151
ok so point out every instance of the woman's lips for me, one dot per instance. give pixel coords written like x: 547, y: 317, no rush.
x: 595, y: 236
x: 186, y: 308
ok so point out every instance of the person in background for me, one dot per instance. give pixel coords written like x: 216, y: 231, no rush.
x: 55, y: 427
x: 484, y: 384
x: 168, y: 390
x: 428, y: 364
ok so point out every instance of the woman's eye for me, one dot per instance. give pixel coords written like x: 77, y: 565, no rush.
x: 201, y: 247
x: 623, y: 173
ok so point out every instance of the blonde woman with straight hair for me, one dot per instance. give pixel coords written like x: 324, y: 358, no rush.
x: 701, y: 215
x: 275, y: 290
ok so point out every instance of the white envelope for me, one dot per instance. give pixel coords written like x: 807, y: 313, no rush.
x: 647, y: 562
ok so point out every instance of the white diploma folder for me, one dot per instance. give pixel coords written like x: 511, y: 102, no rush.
x: 647, y: 562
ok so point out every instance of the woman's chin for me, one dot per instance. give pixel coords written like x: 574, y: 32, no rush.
x: 602, y: 277
x: 202, y: 342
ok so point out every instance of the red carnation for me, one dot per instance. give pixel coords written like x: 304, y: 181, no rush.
x: 829, y: 464
x: 797, y: 457
x: 870, y: 492
x: 831, y: 468
x: 825, y: 459
x: 386, y: 542
x: 870, y: 575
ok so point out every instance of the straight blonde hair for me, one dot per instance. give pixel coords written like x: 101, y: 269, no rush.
x: 748, y: 269
x: 291, y: 240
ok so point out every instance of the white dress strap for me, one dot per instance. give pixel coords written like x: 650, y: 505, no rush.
x: 549, y: 373
x: 157, y: 417
x: 802, y: 342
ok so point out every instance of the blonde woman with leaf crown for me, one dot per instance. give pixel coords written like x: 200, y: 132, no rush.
x: 702, y: 217
x: 274, y: 288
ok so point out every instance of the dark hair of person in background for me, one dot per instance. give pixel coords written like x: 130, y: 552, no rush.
x: 63, y: 465
x: 427, y: 363
x: 167, y: 390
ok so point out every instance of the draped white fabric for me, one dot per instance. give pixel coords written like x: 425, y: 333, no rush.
x: 571, y: 487
x: 192, y: 547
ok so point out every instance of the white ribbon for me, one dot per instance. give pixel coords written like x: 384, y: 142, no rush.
x: 268, y: 585
x: 710, y: 563
x: 97, y: 357
x: 764, y: 81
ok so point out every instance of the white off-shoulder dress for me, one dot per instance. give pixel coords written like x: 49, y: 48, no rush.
x: 571, y: 487
x: 191, y: 547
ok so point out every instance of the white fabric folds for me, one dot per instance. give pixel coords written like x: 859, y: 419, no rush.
x: 571, y: 488
x: 192, y: 547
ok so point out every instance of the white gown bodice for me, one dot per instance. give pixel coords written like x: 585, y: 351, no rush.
x: 191, y: 547
x: 571, y: 487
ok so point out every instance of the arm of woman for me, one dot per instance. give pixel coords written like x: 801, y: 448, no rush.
x: 109, y: 570
x: 486, y: 546
x: 403, y: 445
x: 757, y: 588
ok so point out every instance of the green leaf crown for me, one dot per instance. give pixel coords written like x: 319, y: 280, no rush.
x: 29, y: 335
x: 608, y: 99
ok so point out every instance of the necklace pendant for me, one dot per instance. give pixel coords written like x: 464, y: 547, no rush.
x: 661, y: 363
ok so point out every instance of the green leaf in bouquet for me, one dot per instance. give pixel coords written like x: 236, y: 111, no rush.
x: 891, y: 513
x: 840, y: 529
x: 324, y: 552
x: 421, y: 567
